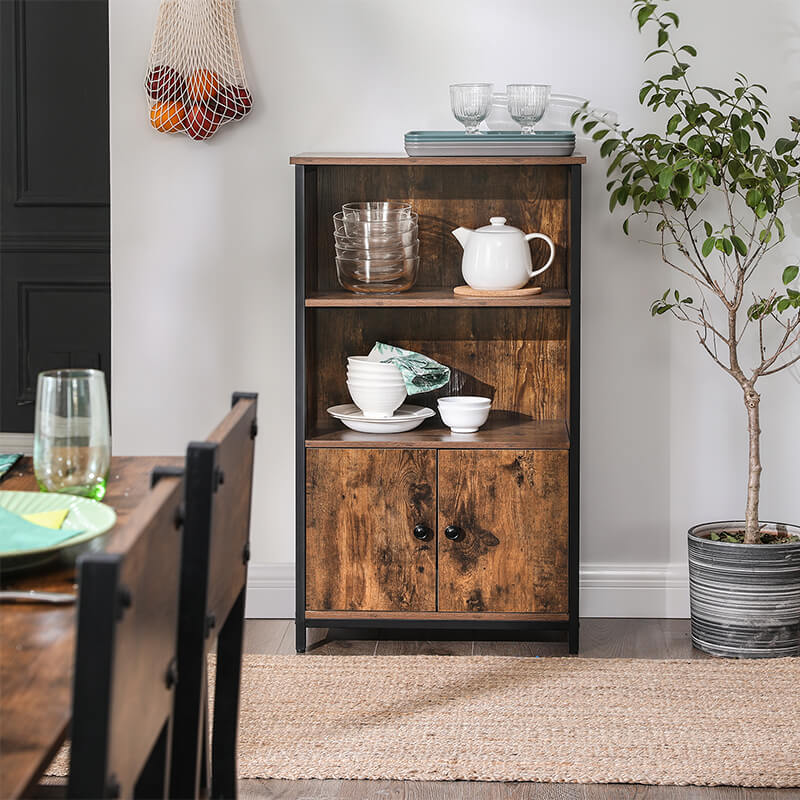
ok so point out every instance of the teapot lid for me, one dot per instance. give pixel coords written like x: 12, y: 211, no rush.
x: 498, y: 225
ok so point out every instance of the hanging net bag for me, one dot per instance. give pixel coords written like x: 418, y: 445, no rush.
x: 195, y: 79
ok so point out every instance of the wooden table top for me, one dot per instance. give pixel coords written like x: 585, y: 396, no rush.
x: 37, y: 641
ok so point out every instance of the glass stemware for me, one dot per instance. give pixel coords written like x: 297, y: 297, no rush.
x: 527, y: 103
x: 470, y: 103
x: 72, y: 443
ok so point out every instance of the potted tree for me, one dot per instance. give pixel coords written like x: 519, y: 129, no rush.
x: 714, y: 192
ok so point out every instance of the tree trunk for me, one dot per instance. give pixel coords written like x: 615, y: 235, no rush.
x: 752, y: 400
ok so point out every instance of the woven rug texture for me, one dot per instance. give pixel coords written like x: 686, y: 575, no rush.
x: 487, y: 718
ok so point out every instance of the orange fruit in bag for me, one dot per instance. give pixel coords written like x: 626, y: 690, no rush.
x: 167, y: 117
x: 203, y: 84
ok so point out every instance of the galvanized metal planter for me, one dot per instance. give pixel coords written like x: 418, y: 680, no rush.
x: 745, y: 598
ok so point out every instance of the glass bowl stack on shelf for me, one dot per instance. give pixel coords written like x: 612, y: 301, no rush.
x: 377, y: 247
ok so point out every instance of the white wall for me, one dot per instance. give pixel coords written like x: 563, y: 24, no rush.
x: 203, y: 260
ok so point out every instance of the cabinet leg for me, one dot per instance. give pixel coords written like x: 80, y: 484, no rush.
x: 300, y: 637
x: 573, y: 638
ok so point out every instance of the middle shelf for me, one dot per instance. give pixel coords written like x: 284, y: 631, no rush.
x: 501, y: 432
x: 436, y: 297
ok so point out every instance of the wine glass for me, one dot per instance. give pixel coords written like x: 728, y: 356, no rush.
x: 470, y: 103
x: 72, y: 442
x: 527, y: 103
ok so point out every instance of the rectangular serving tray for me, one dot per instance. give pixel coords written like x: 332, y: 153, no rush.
x: 489, y: 143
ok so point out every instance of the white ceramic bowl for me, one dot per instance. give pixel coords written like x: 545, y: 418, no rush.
x: 464, y: 415
x: 384, y: 385
x: 464, y: 400
x: 378, y: 402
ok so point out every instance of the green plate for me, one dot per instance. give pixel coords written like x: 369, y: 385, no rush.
x: 89, y: 516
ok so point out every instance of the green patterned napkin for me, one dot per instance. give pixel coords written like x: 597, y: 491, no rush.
x: 420, y: 373
x: 6, y: 462
x: 17, y: 534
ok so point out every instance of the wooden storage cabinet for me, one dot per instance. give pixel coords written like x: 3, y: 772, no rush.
x: 429, y: 529
x: 373, y: 536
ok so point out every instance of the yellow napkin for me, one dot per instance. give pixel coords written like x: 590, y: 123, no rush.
x: 48, y: 519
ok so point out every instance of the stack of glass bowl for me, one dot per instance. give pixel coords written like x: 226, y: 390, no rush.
x: 377, y: 247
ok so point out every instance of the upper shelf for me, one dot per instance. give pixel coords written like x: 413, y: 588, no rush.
x: 400, y: 159
x: 434, y: 297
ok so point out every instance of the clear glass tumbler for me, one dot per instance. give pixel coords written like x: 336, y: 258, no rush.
x: 527, y: 103
x: 72, y: 441
x: 470, y: 103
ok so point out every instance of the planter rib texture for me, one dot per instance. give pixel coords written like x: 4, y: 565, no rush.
x: 745, y: 598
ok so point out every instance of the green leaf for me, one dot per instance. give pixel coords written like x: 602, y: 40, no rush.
x: 625, y: 226
x: 741, y: 247
x: 662, y: 37
x: 781, y: 229
x: 673, y: 16
x: 708, y: 228
x: 689, y: 49
x: 665, y: 177
x: 644, y: 91
x: 696, y: 143
x: 785, y: 145
x: 645, y: 12
x: 655, y: 53
x: 783, y: 304
x: 741, y: 139
x: 682, y: 184
x: 789, y: 274
x: 708, y: 246
x: 673, y: 123
x: 727, y: 246
x: 598, y: 135
x: 589, y: 125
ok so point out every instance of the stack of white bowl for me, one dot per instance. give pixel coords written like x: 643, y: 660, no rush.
x: 376, y: 387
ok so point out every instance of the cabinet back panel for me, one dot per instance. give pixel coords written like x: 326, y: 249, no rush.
x: 533, y: 198
x: 517, y: 356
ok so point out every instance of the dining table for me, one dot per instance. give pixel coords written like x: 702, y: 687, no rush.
x: 37, y: 640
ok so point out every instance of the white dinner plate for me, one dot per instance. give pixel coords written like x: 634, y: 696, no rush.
x: 406, y: 418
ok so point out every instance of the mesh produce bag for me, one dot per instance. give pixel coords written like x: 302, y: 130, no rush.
x: 195, y: 79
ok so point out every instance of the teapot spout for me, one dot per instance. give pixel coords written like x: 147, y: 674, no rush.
x: 463, y: 235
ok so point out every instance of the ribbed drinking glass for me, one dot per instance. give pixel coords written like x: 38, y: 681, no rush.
x: 72, y: 442
x: 470, y: 103
x: 527, y: 103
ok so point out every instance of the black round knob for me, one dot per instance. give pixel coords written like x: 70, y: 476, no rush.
x: 423, y: 532
x: 454, y: 533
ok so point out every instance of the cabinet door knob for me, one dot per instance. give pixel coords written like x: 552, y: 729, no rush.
x: 423, y: 532
x: 454, y: 533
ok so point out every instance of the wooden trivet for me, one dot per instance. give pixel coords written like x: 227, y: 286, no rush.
x: 468, y: 291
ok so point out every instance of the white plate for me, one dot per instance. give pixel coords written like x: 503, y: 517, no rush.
x: 406, y: 418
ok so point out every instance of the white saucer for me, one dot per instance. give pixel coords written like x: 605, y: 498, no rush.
x: 406, y: 418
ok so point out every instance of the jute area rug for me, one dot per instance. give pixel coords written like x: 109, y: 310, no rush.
x: 488, y: 718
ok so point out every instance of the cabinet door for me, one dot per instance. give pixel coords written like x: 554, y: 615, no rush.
x: 509, y: 509
x: 361, y: 510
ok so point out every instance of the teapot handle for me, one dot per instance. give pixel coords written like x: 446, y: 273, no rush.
x: 528, y: 237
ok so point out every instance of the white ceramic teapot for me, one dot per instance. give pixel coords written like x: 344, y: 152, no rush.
x: 498, y: 256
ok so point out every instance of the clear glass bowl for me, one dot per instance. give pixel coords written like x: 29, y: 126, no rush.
x: 389, y: 254
x: 377, y: 277
x: 376, y: 242
x: 367, y: 230
x: 378, y: 211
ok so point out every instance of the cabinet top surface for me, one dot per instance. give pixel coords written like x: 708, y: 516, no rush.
x: 401, y: 159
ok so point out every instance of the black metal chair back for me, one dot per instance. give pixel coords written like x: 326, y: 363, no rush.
x: 125, y: 659
x: 219, y: 478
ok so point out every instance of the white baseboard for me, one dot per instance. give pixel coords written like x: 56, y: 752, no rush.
x: 607, y: 590
x: 16, y: 443
x: 270, y: 591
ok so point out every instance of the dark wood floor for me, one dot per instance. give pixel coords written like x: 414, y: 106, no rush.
x: 600, y: 638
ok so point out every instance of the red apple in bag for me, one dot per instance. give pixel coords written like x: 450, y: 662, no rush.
x: 202, y: 122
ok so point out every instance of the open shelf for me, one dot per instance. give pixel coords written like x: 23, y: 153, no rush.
x: 434, y: 297
x: 501, y: 431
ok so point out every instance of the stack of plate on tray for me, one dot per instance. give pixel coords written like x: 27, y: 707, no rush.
x: 490, y: 143
x: 378, y: 391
